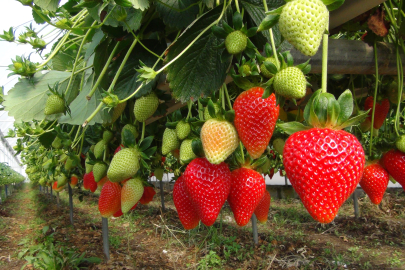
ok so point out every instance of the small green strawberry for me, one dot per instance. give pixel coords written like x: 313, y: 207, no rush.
x: 236, y: 42
x: 170, y: 141
x: 107, y: 136
x: 264, y: 70
x: 62, y: 180
x: 400, y: 144
x: 183, y: 129
x: 186, y: 152
x: 145, y: 106
x: 99, y: 149
x: 54, y: 104
x: 207, y: 115
x: 71, y: 162
x: 124, y: 165
x: 290, y: 83
x: 302, y: 23
x: 57, y: 143
x: 131, y: 193
x: 131, y: 128
x: 99, y: 171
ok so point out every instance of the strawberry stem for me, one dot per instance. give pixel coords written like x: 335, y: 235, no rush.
x: 100, y: 77
x: 400, y: 86
x: 143, y: 131
x: 324, y: 62
x: 273, y: 44
x: 375, y: 97
x: 190, y: 105
x: 227, y: 97
x: 237, y: 6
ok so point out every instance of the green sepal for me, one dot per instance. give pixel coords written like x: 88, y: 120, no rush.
x: 307, y: 109
x: 144, y: 164
x: 270, y: 67
x: 250, y: 52
x: 237, y: 21
x: 276, y: 11
x: 230, y: 115
x: 146, y: 143
x: 196, y: 146
x: 171, y: 125
x: 346, y: 106
x: 280, y: 100
x: 241, y: 82
x: 227, y: 28
x: 251, y: 32
x: 306, y: 70
x: 268, y: 89
x: 144, y: 156
x: 292, y: 127
x: 259, y: 162
x: 268, y: 50
x: 354, y: 120
x: 219, y: 32
x: 129, y: 138
x: 333, y: 4
x: 302, y: 66
x: 211, y: 109
x: 268, y: 22
x: 288, y: 58
x: 150, y: 151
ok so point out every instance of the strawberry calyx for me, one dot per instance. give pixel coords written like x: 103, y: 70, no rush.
x: 324, y: 111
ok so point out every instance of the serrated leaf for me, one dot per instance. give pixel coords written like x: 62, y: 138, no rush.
x: 140, y: 4
x: 268, y: 22
x: 346, y: 106
x: 292, y: 127
x: 26, y: 100
x: 177, y: 13
x: 146, y: 143
x: 38, y: 19
x: 199, y: 71
x: 51, y: 5
x: 81, y: 108
x: 133, y: 20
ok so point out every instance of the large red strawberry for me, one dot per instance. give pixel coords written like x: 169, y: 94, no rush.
x: 381, y: 110
x: 374, y: 182
x: 208, y: 186
x: 262, y: 210
x: 109, y: 201
x: 394, y: 163
x: 73, y: 180
x: 247, y: 188
x: 184, y: 206
x: 255, y: 119
x: 323, y: 162
x: 89, y: 183
x: 147, y: 195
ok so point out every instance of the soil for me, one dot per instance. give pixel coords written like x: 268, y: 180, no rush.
x: 148, y: 238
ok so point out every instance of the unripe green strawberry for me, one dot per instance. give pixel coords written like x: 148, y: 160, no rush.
x: 182, y: 130
x: 107, y: 136
x: 89, y: 167
x: 124, y: 165
x: 186, y: 152
x: 392, y: 93
x: 57, y: 143
x: 207, y: 113
x: 63, y: 158
x: 131, y: 193
x: 290, y: 83
x: 246, y: 69
x: 302, y: 23
x: 99, y: 171
x: 400, y: 144
x: 70, y: 163
x: 99, y: 149
x: 236, y: 42
x: 170, y: 141
x: 54, y: 104
x: 146, y: 106
x: 278, y: 145
x: 264, y: 70
x: 62, y: 180
x: 131, y: 128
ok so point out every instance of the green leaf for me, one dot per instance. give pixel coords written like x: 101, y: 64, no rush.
x: 51, y: 5
x: 292, y: 127
x: 140, y: 4
x: 177, y: 13
x: 81, y: 108
x: 268, y: 22
x: 128, y: 138
x: 123, y: 3
x: 146, y: 143
x: 333, y: 4
x: 38, y: 19
x: 98, y: 36
x: 197, y: 147
x: 63, y: 61
x: 346, y: 106
x: 46, y: 139
x: 199, y: 71
x: 133, y: 21
x: 26, y: 100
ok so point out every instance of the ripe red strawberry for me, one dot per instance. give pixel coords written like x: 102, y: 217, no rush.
x: 185, y: 209
x: 262, y: 210
x: 109, y: 201
x: 324, y: 167
x: 394, y: 163
x: 147, y: 196
x: 119, y: 212
x: 255, y: 119
x: 374, y: 182
x: 132, y: 191
x: 56, y: 188
x: 73, y: 180
x: 247, y: 188
x: 219, y: 139
x: 208, y: 186
x: 89, y: 183
x: 381, y: 110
